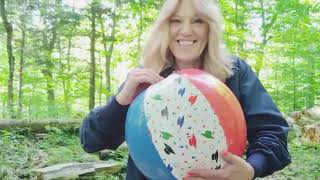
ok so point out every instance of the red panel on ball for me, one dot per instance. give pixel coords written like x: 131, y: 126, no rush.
x: 225, y: 105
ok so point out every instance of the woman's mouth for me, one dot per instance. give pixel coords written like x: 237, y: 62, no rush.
x: 186, y: 42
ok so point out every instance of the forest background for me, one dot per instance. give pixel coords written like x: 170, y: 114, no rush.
x: 61, y: 58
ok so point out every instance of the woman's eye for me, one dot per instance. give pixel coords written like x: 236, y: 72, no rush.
x: 198, y: 21
x: 175, y: 21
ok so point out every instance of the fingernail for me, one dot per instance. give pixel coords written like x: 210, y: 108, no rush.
x: 225, y: 153
x: 192, y: 174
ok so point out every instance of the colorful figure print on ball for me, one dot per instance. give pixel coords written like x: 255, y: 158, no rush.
x: 182, y: 123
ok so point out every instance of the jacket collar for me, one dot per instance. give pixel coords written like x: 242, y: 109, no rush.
x: 167, y: 71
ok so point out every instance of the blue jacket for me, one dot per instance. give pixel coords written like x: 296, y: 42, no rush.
x: 267, y: 130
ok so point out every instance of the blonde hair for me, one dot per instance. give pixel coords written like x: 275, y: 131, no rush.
x: 157, y: 54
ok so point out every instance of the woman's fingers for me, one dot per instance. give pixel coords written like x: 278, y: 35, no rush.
x: 147, y: 79
x: 208, y: 173
x: 134, y: 79
x: 148, y: 75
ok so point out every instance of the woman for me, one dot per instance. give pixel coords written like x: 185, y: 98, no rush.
x: 188, y: 35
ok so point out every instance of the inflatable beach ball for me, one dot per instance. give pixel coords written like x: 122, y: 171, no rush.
x: 182, y: 123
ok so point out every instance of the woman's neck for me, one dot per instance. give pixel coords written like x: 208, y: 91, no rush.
x: 197, y: 65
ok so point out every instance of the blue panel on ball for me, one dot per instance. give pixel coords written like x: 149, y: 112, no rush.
x: 141, y: 147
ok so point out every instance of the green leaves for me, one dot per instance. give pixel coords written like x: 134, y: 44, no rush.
x: 279, y: 38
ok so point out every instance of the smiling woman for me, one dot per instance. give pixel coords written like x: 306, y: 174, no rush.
x: 188, y: 34
x: 200, y: 21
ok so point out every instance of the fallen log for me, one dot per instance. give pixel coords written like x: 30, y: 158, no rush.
x: 74, y: 170
x: 40, y: 126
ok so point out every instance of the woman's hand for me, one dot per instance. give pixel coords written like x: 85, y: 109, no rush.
x: 134, y: 79
x: 235, y: 168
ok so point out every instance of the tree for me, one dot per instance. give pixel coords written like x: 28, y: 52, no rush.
x: 92, y: 89
x: 49, y: 37
x: 108, y: 50
x: 237, y: 14
x: 23, y: 21
x: 11, y: 60
x: 67, y: 30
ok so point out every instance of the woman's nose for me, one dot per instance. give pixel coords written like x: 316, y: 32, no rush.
x: 186, y: 29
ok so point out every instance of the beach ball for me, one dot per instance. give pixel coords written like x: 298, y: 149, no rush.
x: 182, y: 123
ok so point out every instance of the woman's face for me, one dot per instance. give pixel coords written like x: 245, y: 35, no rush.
x: 188, y: 35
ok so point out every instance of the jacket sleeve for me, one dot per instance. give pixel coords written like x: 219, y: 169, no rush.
x: 103, y: 127
x: 267, y: 130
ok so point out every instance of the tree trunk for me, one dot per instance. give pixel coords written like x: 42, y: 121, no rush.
x: 21, y: 71
x: 63, y: 73
x: 92, y: 59
x: 68, y: 83
x: 140, y: 26
x: 277, y: 80
x: 260, y: 59
x: 3, y: 109
x: 108, y: 51
x: 266, y: 27
x: 237, y: 24
x: 294, y: 103
x: 311, y: 90
x: 240, y: 24
x: 11, y: 61
x: 47, y: 71
x: 101, y: 80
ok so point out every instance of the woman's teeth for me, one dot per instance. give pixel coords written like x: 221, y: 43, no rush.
x: 186, y: 42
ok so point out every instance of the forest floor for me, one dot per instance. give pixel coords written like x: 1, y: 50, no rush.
x: 22, y: 151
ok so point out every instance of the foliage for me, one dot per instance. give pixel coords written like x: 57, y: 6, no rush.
x: 302, y: 153
x: 280, y: 39
x: 21, y: 152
